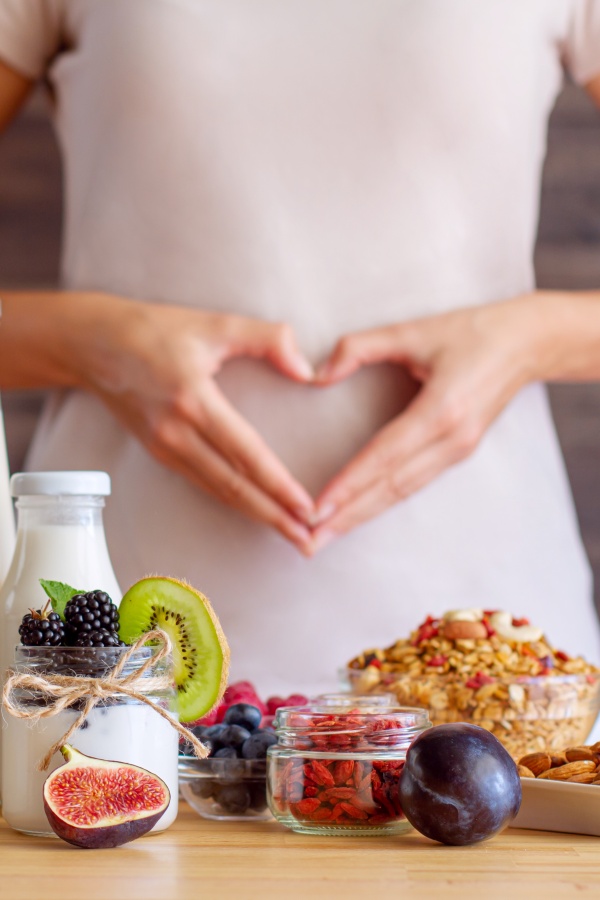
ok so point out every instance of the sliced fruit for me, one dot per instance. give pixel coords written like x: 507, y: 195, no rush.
x: 200, y: 650
x: 96, y: 803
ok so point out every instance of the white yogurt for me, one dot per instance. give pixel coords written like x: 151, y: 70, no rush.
x: 129, y: 732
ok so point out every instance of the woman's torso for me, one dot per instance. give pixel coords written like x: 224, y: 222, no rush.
x: 335, y: 164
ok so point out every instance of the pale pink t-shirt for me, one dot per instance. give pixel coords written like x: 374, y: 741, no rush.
x: 336, y: 164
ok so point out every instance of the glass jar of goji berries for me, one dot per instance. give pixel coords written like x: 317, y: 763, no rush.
x: 337, y: 770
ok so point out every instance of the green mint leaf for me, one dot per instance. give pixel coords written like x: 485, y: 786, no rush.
x: 59, y: 594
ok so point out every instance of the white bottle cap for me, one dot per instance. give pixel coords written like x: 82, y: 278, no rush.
x: 57, y: 483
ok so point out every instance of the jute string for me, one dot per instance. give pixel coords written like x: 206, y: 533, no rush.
x: 63, y: 691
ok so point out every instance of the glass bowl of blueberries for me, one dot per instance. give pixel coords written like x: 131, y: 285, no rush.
x: 231, y: 783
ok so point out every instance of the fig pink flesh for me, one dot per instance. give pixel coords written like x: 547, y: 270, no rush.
x: 98, y: 803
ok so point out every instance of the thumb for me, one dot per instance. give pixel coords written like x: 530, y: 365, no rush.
x: 363, y: 348
x: 275, y: 342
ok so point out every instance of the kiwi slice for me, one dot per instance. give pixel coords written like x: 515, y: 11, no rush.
x: 200, y: 650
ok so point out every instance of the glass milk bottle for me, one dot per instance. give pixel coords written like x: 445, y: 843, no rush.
x: 7, y: 522
x: 60, y: 537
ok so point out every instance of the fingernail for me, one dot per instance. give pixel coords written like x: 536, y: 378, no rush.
x: 322, y: 514
x: 321, y: 539
x: 306, y: 514
x: 300, y: 533
x: 304, y: 368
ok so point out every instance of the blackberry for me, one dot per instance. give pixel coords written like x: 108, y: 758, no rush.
x: 99, y: 637
x: 93, y: 611
x: 42, y: 628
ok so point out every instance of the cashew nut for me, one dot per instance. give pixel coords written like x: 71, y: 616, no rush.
x: 502, y: 624
x: 463, y: 615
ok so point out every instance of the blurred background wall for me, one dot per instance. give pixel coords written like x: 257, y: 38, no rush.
x: 568, y: 256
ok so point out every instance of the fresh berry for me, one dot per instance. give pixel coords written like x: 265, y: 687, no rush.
x: 93, y: 611
x: 296, y: 700
x: 100, y: 637
x: 234, y: 798
x: 243, y: 714
x: 234, y: 736
x: 225, y: 753
x: 257, y: 744
x: 42, y: 628
x: 275, y: 703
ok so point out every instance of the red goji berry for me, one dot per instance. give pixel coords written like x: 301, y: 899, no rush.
x: 322, y: 814
x: 364, y: 800
x: 338, y: 793
x: 365, y: 783
x: 320, y: 774
x: 353, y: 811
x: 308, y: 806
x: 343, y: 770
x: 337, y: 811
x: 438, y: 660
x: 311, y: 790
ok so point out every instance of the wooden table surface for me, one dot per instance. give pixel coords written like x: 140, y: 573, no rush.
x: 201, y: 860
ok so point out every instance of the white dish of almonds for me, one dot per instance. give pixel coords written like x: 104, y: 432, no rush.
x: 559, y: 806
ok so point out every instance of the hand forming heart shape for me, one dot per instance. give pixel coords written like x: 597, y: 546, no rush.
x: 157, y: 374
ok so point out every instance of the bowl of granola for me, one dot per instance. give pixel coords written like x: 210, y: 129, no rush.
x: 491, y: 669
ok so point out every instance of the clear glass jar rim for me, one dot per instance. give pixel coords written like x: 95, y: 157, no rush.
x: 301, y: 720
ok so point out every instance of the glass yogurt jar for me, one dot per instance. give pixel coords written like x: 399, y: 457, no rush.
x: 336, y: 770
x: 118, y: 728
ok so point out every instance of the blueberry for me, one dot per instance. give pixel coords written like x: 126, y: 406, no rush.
x: 212, y: 737
x: 243, y: 714
x: 225, y: 753
x: 233, y: 736
x: 213, y: 732
x: 258, y: 795
x: 203, y: 787
x: 258, y: 743
x: 234, y: 798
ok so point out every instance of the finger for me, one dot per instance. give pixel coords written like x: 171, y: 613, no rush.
x: 394, y: 343
x: 420, y: 425
x: 235, y: 439
x: 270, y: 340
x: 390, y: 488
x: 182, y: 449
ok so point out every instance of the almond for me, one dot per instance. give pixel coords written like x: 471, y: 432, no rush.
x: 574, y: 753
x: 524, y: 772
x: 536, y: 762
x: 459, y: 630
x: 558, y: 759
x: 584, y: 778
x: 563, y: 773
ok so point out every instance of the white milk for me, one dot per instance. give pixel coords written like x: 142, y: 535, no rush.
x: 60, y: 537
x: 131, y: 733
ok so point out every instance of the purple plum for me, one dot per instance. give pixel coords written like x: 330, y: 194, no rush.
x: 459, y: 784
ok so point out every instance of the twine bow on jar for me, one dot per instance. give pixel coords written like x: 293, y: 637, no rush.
x: 63, y: 691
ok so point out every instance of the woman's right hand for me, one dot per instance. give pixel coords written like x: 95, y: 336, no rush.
x: 153, y: 366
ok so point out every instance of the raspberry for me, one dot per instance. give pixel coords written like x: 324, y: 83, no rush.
x: 42, y: 628
x: 93, y: 611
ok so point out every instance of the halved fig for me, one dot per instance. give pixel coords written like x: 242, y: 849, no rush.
x: 97, y: 803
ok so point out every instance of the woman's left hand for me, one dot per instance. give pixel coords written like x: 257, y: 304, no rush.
x: 470, y: 363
